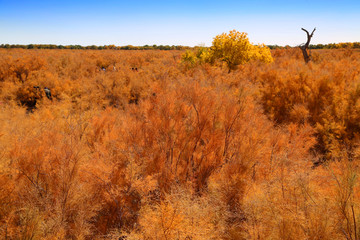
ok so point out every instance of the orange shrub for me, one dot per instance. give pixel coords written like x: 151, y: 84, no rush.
x: 150, y: 149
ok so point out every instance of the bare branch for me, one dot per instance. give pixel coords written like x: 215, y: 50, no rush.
x: 306, y: 45
x: 312, y: 33
x: 305, y: 31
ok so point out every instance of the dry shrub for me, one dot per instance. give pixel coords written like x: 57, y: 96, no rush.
x: 167, y: 152
x: 181, y: 216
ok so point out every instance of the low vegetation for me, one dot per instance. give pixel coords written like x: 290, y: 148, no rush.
x: 149, y: 145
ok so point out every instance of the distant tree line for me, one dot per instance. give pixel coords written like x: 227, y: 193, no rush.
x: 336, y: 45
x: 164, y: 47
x: 323, y: 46
x: 94, y: 47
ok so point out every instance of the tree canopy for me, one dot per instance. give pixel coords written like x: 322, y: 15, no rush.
x: 234, y: 48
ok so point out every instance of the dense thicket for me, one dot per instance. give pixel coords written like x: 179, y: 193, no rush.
x: 142, y: 145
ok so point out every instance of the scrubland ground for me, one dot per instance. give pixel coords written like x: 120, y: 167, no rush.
x: 177, y: 151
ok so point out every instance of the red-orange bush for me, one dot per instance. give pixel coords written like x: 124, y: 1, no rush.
x: 165, y: 151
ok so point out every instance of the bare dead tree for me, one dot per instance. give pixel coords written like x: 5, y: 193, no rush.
x: 305, y: 46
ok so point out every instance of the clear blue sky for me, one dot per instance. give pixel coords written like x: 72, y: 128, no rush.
x: 174, y: 22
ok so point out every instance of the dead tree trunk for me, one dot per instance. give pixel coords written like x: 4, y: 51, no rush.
x: 306, y: 45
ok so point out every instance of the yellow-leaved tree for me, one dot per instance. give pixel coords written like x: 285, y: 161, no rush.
x: 234, y: 48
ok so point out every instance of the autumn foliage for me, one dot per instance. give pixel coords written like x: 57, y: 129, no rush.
x: 232, y: 49
x: 139, y: 145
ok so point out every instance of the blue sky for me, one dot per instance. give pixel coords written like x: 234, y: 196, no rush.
x: 190, y: 23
